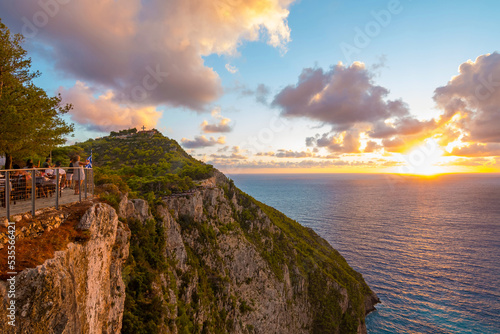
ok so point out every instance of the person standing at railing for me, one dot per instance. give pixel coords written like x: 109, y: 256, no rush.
x: 79, y: 173
x: 69, y: 174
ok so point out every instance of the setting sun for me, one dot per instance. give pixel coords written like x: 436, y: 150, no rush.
x: 423, y: 160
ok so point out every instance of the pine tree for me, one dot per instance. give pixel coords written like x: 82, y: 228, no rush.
x: 30, y: 121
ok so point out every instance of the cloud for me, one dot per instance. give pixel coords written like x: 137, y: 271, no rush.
x: 232, y: 165
x: 345, y: 142
x: 293, y: 154
x: 471, y: 162
x: 202, y: 141
x: 236, y: 154
x: 231, y: 69
x: 371, y: 146
x: 341, y: 97
x: 148, y: 52
x: 471, y: 99
x: 405, y: 126
x: 265, y: 154
x: 477, y: 150
x: 347, y: 99
x: 221, y: 126
x: 261, y: 93
x: 103, y: 113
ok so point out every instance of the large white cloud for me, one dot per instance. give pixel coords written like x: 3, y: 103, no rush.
x: 147, y: 52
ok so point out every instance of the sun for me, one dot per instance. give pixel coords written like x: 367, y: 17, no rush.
x: 423, y: 160
x: 429, y: 170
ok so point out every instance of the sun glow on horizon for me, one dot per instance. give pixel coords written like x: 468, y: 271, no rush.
x: 424, y: 160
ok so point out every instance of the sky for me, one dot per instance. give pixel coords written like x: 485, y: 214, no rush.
x: 264, y: 86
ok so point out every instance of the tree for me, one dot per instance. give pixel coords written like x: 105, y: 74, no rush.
x: 30, y: 121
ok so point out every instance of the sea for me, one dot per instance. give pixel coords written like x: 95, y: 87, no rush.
x: 428, y: 246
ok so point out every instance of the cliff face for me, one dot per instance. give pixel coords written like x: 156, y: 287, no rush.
x: 235, y: 265
x: 80, y: 290
x: 212, y: 260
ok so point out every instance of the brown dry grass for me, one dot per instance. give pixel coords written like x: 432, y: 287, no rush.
x: 31, y: 252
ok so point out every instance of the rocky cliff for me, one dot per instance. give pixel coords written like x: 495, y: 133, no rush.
x: 232, y: 264
x: 210, y: 260
x: 80, y: 290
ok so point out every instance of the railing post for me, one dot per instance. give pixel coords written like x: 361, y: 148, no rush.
x: 33, y: 192
x: 86, y: 181
x: 7, y: 193
x: 57, y: 189
x: 79, y: 183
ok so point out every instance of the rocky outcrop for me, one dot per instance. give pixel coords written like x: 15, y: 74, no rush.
x: 80, y: 290
x: 52, y: 219
x: 235, y: 267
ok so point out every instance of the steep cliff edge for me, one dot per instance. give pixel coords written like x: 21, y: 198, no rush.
x: 80, y: 290
x: 210, y: 260
x: 230, y: 264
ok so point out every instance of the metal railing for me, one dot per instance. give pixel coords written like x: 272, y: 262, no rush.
x: 28, y: 190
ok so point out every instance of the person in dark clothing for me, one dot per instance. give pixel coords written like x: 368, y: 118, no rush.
x: 46, y: 164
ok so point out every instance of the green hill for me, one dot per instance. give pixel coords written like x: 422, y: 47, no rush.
x: 143, y: 163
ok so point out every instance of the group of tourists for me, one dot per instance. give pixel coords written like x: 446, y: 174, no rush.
x: 70, y: 177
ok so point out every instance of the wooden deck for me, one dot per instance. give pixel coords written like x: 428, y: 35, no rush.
x: 23, y: 206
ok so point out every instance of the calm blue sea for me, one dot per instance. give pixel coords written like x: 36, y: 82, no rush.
x: 429, y: 247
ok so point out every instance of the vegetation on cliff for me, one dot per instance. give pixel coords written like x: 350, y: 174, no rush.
x: 161, y: 297
x: 301, y: 247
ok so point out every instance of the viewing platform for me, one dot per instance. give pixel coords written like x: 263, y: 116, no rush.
x: 29, y: 190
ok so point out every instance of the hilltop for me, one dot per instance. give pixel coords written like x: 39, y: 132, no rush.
x: 140, y: 162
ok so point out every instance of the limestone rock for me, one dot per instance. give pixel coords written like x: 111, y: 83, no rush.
x: 80, y: 290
